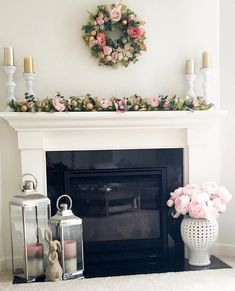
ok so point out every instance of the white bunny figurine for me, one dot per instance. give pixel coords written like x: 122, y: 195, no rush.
x: 54, y: 271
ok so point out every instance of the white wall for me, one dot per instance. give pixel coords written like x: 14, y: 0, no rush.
x: 227, y: 229
x: 50, y: 31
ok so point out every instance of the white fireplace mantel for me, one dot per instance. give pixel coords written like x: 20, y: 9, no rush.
x: 109, y: 120
x: 196, y: 132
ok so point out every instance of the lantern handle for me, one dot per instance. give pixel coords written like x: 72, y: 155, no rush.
x: 70, y: 200
x: 35, y: 180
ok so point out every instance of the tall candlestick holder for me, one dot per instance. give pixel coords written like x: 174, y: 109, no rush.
x: 190, y: 84
x: 10, y: 84
x: 206, y: 72
x: 29, y: 77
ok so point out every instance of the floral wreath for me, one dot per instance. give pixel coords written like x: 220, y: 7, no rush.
x: 110, y: 51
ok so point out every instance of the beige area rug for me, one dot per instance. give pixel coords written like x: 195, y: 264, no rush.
x: 210, y: 280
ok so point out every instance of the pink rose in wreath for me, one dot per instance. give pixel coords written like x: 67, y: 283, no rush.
x: 115, y: 14
x: 107, y: 50
x: 100, y: 20
x: 154, y: 102
x: 101, y: 39
x: 135, y: 32
x: 58, y: 104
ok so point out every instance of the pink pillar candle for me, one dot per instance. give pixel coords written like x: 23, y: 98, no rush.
x: 70, y: 249
x: 35, y: 259
x: 70, y: 256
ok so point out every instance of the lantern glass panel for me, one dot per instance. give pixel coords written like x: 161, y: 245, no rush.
x: 17, y: 234
x: 73, y: 248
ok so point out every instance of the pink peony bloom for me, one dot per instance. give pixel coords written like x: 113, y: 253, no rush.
x: 170, y: 203
x: 196, y: 209
x: 58, y: 104
x: 191, y: 189
x: 178, y: 192
x: 135, y: 32
x: 219, y: 205
x: 107, y: 50
x: 210, y: 187
x: 210, y: 212
x: 115, y: 14
x: 200, y: 202
x: 182, y: 204
x: 224, y: 195
x: 101, y: 39
x: 100, y: 20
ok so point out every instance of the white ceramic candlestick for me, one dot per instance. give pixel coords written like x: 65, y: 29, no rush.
x: 206, y: 88
x: 9, y: 71
x: 29, y: 77
x: 190, y: 85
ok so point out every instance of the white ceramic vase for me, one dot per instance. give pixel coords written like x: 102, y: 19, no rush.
x: 199, y: 235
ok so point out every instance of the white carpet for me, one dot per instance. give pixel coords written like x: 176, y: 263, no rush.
x: 210, y: 280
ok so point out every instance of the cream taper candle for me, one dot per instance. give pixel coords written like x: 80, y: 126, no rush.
x: 28, y: 65
x: 189, y: 67
x: 206, y: 60
x: 8, y: 56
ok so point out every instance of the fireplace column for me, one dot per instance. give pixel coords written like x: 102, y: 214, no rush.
x: 33, y: 159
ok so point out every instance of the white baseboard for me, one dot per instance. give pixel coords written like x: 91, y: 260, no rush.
x: 220, y: 249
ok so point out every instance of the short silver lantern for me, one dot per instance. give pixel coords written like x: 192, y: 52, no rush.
x: 29, y: 214
x: 67, y: 228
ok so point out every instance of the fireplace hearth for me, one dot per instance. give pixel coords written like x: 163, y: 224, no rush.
x: 121, y: 196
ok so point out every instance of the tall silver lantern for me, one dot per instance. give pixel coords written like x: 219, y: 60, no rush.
x: 29, y: 214
x: 67, y: 228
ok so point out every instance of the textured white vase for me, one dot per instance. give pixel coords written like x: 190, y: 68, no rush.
x: 199, y: 235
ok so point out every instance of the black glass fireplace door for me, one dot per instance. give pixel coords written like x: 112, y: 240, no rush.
x: 124, y: 218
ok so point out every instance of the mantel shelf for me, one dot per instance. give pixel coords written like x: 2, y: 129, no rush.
x: 58, y: 121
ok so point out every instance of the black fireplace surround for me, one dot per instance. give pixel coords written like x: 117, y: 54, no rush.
x: 121, y: 197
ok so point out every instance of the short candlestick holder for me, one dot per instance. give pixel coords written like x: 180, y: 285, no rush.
x: 29, y: 77
x: 206, y: 72
x: 190, y: 85
x: 10, y: 84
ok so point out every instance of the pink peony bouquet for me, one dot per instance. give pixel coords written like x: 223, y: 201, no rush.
x: 206, y: 201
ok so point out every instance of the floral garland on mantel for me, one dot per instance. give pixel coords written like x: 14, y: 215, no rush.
x: 87, y: 103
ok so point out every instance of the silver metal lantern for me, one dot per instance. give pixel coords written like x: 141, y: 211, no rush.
x: 67, y: 228
x: 29, y: 214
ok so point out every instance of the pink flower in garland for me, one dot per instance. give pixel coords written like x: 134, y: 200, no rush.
x: 135, y: 32
x: 58, y: 104
x: 154, y: 102
x: 101, y: 39
x: 166, y: 104
x: 120, y: 105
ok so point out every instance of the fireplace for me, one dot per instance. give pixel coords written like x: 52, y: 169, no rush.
x: 197, y: 133
x: 121, y: 196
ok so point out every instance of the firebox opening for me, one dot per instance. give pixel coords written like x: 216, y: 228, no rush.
x: 121, y: 196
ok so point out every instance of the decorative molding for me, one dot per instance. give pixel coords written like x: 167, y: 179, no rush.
x: 110, y: 120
